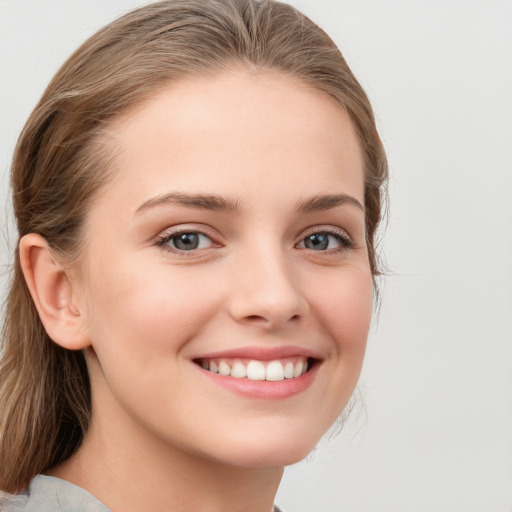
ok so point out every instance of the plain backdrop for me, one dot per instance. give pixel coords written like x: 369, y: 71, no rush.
x: 433, y: 429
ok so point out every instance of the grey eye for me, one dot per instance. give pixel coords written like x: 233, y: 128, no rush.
x: 189, y: 241
x: 323, y: 242
x: 317, y: 241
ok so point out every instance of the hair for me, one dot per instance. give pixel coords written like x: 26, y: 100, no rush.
x: 61, y: 161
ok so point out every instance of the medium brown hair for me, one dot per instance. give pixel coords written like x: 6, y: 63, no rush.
x: 61, y: 161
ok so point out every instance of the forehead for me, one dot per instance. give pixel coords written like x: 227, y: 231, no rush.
x: 235, y: 130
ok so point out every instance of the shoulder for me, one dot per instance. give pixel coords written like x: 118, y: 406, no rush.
x: 12, y: 502
x: 50, y: 494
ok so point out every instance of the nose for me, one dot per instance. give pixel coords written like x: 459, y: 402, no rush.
x: 266, y: 292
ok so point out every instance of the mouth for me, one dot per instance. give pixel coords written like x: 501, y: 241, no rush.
x: 265, y: 373
x: 275, y: 370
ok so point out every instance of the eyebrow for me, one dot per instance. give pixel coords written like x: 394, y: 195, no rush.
x: 199, y: 201
x: 326, y: 202
x: 217, y: 203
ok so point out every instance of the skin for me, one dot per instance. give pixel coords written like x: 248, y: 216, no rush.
x: 144, y: 311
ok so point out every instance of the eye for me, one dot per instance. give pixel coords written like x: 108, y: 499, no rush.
x: 325, y: 241
x: 185, y: 241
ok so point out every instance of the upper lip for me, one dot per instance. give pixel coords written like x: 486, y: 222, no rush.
x: 261, y: 353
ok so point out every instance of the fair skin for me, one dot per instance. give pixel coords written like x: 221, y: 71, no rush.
x: 233, y: 232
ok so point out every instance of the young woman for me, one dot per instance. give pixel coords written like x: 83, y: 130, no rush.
x: 197, y: 194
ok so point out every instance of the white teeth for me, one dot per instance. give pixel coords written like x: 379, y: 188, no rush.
x: 256, y: 370
x: 271, y: 371
x: 297, y: 371
x: 224, y: 368
x: 238, y: 371
x: 274, y: 371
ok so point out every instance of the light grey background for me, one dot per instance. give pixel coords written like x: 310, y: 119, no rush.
x: 437, y: 383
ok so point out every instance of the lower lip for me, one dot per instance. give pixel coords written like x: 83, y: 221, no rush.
x: 264, y: 389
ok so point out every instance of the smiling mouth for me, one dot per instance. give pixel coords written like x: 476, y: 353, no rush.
x: 256, y: 370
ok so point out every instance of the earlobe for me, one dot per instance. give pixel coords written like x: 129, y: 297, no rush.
x: 51, y: 287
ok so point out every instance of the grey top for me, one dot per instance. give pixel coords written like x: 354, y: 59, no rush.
x: 51, y: 494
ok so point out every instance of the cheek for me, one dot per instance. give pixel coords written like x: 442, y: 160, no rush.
x: 344, y: 306
x: 131, y: 311
x: 343, y: 309
x: 139, y: 324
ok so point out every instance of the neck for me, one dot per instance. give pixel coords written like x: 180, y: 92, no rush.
x: 130, y: 471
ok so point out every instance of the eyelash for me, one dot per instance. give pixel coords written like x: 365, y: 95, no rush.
x: 164, y: 240
x: 345, y: 242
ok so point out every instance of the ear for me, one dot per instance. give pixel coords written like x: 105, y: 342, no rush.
x: 51, y: 287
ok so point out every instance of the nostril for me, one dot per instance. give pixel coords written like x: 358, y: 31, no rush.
x: 261, y: 318
x: 255, y: 317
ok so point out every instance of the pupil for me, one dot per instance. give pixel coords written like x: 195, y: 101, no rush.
x: 317, y: 241
x: 186, y: 241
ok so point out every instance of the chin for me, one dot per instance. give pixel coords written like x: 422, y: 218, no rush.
x: 270, y: 449
x: 261, y: 458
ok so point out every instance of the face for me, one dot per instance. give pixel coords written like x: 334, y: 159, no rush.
x: 225, y: 285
